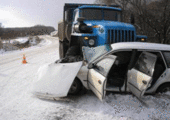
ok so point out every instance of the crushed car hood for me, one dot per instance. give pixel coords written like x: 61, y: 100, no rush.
x: 56, y: 79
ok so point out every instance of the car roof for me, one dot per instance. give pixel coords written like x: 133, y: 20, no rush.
x: 140, y: 45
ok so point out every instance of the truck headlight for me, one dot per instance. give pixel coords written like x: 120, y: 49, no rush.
x: 143, y: 39
x: 91, y: 42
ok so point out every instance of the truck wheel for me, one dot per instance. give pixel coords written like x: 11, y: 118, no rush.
x: 164, y: 88
x: 75, y: 87
x: 62, y: 49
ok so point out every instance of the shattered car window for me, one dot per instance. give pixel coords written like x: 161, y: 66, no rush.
x: 145, y: 63
x: 91, y: 53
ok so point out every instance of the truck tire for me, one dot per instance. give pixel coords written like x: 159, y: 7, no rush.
x: 76, y: 87
x: 62, y: 49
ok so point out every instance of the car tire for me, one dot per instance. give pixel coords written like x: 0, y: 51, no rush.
x: 76, y: 87
x: 164, y: 88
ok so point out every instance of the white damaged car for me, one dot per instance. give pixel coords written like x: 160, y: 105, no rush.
x: 129, y: 67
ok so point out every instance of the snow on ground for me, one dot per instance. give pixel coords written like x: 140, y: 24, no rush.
x: 19, y: 40
x: 42, y: 43
x: 18, y: 103
x: 22, y: 39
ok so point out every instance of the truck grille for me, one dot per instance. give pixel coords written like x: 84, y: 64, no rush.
x: 115, y: 36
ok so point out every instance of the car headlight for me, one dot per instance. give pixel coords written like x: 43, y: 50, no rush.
x: 91, y: 42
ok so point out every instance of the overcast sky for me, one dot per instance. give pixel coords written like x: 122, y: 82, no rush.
x: 26, y: 13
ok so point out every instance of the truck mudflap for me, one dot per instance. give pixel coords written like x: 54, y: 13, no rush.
x: 56, y: 79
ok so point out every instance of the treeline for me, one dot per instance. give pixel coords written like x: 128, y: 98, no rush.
x: 152, y: 17
x: 8, y: 33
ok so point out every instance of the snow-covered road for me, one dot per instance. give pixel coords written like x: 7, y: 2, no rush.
x: 18, y: 103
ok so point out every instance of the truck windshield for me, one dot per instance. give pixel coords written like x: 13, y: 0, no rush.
x: 101, y: 14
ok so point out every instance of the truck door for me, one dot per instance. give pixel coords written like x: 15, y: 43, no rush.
x: 140, y: 76
x: 97, y: 76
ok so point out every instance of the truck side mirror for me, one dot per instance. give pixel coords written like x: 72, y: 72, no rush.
x: 132, y: 19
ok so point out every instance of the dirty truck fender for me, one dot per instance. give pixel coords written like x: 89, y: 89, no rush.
x: 56, y: 79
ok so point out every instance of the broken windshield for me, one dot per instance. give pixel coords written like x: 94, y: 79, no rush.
x: 101, y: 14
x: 91, y: 53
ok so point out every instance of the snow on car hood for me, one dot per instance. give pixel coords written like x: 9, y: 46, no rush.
x: 56, y: 78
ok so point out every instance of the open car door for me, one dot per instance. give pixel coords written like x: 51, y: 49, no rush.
x: 98, y: 74
x: 140, y: 76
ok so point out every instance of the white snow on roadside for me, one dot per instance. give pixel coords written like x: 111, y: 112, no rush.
x: 1, y: 51
x: 18, y: 103
x: 43, y: 42
x: 22, y: 39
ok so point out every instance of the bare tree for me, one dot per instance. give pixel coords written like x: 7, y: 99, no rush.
x: 152, y: 17
x: 156, y: 16
x: 107, y: 2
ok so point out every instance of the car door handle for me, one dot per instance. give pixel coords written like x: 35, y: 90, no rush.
x: 99, y: 81
x: 163, y: 75
x: 144, y: 82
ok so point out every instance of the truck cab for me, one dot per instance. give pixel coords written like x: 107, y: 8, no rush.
x: 94, y: 25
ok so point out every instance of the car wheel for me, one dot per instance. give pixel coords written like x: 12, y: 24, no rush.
x: 75, y: 87
x: 164, y: 88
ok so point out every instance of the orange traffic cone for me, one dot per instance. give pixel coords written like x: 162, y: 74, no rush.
x: 24, y: 59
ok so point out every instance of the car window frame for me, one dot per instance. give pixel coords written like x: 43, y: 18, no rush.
x: 164, y: 58
x: 140, y: 50
x: 150, y: 71
x: 96, y: 69
x: 162, y: 55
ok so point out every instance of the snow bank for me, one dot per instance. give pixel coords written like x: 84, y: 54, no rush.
x: 1, y: 51
x: 9, y: 48
x: 22, y: 39
x: 44, y: 42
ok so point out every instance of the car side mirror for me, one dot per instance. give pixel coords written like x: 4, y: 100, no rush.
x: 91, y: 65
